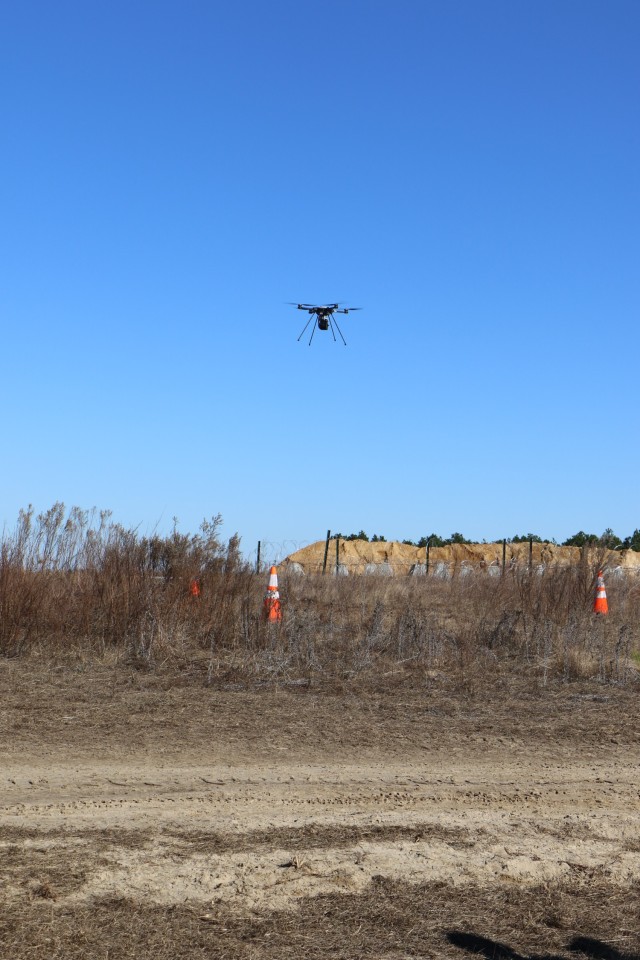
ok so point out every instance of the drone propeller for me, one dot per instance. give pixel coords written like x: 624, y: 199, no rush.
x: 337, y: 306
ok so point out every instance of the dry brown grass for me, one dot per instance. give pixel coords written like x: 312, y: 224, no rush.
x: 89, y: 707
x: 78, y: 586
x: 82, y: 704
x: 103, y: 650
x: 389, y: 920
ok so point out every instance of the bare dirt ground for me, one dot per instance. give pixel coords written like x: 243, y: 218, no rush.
x: 148, y: 815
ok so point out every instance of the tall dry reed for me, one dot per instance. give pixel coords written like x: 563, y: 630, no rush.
x: 76, y: 582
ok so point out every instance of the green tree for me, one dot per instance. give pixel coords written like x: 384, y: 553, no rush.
x: 433, y: 539
x: 610, y: 540
x: 632, y: 542
x: 581, y: 539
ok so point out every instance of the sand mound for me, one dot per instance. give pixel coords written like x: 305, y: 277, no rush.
x: 400, y: 559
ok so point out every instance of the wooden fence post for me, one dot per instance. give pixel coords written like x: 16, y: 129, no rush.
x: 326, y: 552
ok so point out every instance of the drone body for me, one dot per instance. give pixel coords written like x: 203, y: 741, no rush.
x: 323, y: 317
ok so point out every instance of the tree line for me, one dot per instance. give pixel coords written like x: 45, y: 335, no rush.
x: 580, y: 539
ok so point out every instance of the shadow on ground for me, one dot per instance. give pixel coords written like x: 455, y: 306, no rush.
x: 493, y: 950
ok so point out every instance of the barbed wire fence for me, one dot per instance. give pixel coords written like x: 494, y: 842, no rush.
x: 269, y: 552
x: 499, y: 558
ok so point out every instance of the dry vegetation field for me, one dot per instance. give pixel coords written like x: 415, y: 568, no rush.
x: 400, y: 769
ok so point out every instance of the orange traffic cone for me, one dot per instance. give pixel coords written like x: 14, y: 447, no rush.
x: 600, y: 604
x: 271, y: 607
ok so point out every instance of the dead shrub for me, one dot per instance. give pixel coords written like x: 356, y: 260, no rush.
x: 79, y: 582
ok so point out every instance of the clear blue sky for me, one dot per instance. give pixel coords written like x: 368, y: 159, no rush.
x: 468, y: 172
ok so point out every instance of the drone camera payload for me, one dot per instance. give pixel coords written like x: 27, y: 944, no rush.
x: 323, y: 317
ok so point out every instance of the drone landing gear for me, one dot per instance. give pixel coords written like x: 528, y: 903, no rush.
x: 313, y: 329
x: 332, y: 321
x: 322, y: 322
x: 323, y: 316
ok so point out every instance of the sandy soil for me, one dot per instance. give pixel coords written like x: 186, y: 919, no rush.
x: 263, y: 835
x: 115, y: 787
x: 356, y: 556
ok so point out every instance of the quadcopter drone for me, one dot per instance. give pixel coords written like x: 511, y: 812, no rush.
x: 323, y: 318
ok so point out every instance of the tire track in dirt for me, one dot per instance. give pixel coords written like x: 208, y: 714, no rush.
x: 258, y: 835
